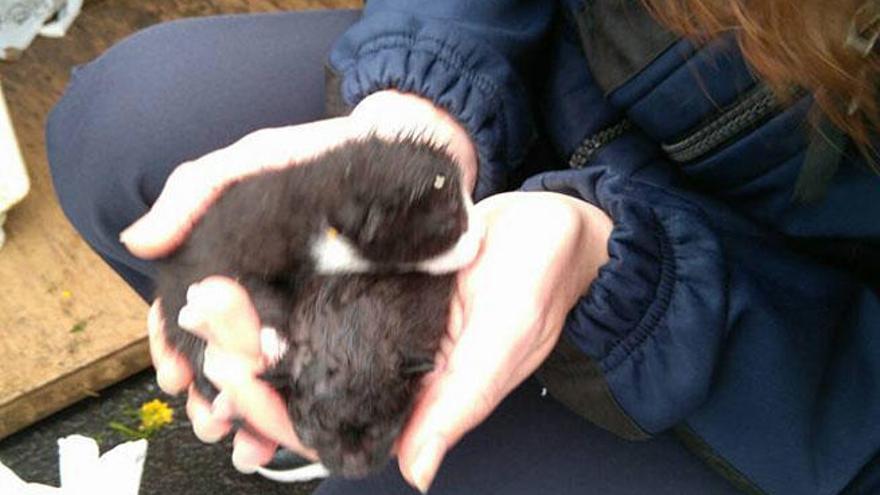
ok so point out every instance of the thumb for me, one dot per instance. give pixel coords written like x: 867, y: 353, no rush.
x: 449, y: 408
x: 193, y: 186
x: 190, y: 189
x: 456, y: 399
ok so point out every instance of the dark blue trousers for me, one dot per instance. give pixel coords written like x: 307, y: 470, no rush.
x: 181, y: 89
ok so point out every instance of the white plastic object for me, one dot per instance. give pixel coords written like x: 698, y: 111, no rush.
x: 14, y: 183
x: 21, y: 21
x: 306, y: 473
x: 84, y: 472
x: 63, y: 20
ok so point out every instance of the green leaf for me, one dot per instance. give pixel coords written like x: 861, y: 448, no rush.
x: 127, y: 432
x: 79, y: 326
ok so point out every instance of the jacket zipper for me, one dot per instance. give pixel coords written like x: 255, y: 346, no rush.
x: 589, y: 146
x: 756, y: 106
x: 753, y: 108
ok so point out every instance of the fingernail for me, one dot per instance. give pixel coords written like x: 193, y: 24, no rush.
x: 152, y: 330
x: 125, y: 236
x: 427, y: 461
x: 165, y: 380
x: 221, y: 408
x: 189, y: 318
x: 132, y: 234
x: 241, y: 463
x: 193, y: 292
x: 220, y: 367
x: 205, y: 427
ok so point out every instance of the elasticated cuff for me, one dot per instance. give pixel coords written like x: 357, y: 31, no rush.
x: 447, y: 67
x: 654, y: 319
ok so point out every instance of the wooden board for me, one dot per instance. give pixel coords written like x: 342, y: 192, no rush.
x: 69, y: 325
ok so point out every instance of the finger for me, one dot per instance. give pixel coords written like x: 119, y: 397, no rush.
x: 458, y: 306
x: 250, y: 451
x: 254, y: 400
x: 194, y: 186
x: 206, y: 426
x: 173, y: 372
x: 468, y: 389
x: 438, y: 422
x: 220, y: 311
x: 459, y: 397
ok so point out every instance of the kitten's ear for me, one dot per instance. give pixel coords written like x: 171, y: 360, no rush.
x: 416, y: 365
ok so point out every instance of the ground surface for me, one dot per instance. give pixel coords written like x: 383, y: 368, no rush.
x: 71, y: 327
x: 177, y: 463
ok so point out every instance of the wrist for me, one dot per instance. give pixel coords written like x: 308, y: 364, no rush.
x: 391, y: 113
x: 596, y: 228
x: 589, y: 252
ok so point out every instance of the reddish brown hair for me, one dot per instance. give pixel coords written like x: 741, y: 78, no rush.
x: 797, y: 43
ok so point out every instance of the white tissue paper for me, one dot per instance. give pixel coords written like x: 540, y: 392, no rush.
x: 84, y: 472
x: 58, y: 28
x: 22, y: 20
x: 14, y: 183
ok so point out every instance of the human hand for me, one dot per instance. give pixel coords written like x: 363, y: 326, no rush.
x: 193, y: 186
x: 539, y: 256
x: 224, y: 317
x: 230, y: 325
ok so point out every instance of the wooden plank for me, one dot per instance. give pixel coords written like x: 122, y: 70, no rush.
x: 69, y: 325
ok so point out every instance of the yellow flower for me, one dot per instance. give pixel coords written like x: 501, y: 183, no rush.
x: 155, y: 414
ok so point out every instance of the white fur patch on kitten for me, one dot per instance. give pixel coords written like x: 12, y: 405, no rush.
x: 334, y: 254
x: 272, y: 346
x: 463, y: 252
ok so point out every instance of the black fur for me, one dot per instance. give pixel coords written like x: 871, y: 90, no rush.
x: 359, y: 343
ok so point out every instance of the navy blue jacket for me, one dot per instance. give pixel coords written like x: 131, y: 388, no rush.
x: 734, y: 309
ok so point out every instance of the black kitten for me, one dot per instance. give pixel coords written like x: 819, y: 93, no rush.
x: 349, y: 260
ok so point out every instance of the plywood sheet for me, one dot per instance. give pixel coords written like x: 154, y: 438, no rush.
x: 69, y: 325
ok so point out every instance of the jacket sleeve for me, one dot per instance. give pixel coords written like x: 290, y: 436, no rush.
x: 653, y: 322
x: 471, y: 58
x: 704, y: 320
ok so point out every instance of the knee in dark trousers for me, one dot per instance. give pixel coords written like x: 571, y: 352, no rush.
x: 171, y: 93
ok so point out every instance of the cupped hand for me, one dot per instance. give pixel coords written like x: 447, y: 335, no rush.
x: 230, y: 325
x: 540, y: 253
x: 233, y: 363
x: 193, y: 186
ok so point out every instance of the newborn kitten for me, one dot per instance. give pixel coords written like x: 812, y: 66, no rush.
x: 349, y: 260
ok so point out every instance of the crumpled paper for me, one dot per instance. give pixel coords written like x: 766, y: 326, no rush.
x: 14, y: 182
x: 63, y: 20
x: 22, y: 21
x: 84, y: 472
